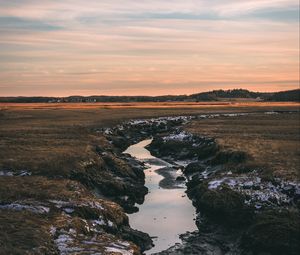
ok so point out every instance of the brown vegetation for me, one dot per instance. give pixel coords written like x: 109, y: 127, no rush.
x: 272, y: 141
x: 41, y: 137
x: 53, y: 141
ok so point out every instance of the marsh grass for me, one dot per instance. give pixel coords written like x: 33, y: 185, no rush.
x: 51, y: 141
x: 272, y: 141
x: 24, y: 231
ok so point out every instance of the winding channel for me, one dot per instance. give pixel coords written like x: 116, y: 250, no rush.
x: 166, y: 212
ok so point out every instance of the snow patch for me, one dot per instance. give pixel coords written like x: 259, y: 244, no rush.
x: 52, y: 230
x: 16, y: 173
x: 68, y: 210
x: 20, y: 207
x: 121, y: 247
x: 6, y: 173
x: 178, y: 137
x: 259, y: 193
x: 64, y: 243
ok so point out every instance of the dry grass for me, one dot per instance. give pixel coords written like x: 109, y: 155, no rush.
x: 40, y: 189
x: 52, y: 139
x: 24, y: 233
x: 147, y: 105
x: 273, y: 141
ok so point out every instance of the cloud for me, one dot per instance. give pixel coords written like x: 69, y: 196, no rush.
x: 9, y: 23
x: 70, y: 10
x: 146, y: 43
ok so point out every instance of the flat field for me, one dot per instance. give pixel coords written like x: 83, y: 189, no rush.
x: 50, y: 138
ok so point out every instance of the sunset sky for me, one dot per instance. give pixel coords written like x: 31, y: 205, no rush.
x: 153, y: 47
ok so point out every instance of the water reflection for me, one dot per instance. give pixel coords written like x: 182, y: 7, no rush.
x: 166, y: 213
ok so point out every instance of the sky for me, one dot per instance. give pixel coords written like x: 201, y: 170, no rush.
x: 153, y: 47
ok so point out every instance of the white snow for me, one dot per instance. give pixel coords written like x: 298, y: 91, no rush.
x: 6, y: 173
x: 271, y: 113
x: 259, y: 193
x: 24, y: 173
x: 52, y: 230
x: 59, y: 203
x: 110, y: 223
x: 214, y: 184
x: 64, y: 244
x: 16, y: 173
x: 231, y: 182
x: 120, y: 247
x: 20, y: 207
x: 68, y: 210
x: 99, y: 222
x: 179, y: 137
x: 68, y: 206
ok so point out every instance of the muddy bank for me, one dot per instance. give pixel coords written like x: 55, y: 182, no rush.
x: 228, y: 201
x: 80, y: 210
x: 62, y: 217
x: 74, y: 213
x: 80, y: 215
x: 264, y: 212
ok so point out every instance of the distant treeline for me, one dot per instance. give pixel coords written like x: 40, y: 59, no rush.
x: 215, y: 95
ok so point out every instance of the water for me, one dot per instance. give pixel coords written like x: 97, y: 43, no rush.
x: 166, y: 213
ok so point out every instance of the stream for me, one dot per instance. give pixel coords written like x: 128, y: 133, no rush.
x: 166, y: 212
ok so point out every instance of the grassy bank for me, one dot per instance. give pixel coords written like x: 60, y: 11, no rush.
x: 272, y: 141
x: 42, y: 137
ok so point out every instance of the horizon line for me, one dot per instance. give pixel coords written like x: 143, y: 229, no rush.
x: 162, y: 95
